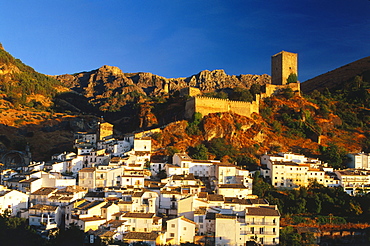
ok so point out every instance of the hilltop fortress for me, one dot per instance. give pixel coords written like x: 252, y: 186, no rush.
x: 284, y: 67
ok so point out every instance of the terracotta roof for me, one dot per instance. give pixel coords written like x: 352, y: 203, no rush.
x: 258, y: 201
x: 44, y: 191
x: 184, y: 156
x: 232, y: 186
x: 237, y: 201
x: 91, y: 219
x: 142, y: 153
x: 147, y: 236
x: 118, y: 214
x: 73, y: 189
x: 114, y: 223
x: 87, y: 169
x: 202, y: 194
x: 107, y: 205
x: 263, y: 211
x: 226, y: 216
x: 190, y: 176
x: 172, y: 166
x: 139, y: 215
x: 90, y: 205
x: 202, y: 162
x: 138, y: 194
x: 212, y: 197
x: 28, y: 180
x: 187, y: 220
x: 102, y: 233
x: 171, y: 192
x: 95, y: 194
x: 200, y: 210
x: 125, y: 202
x: 44, y: 207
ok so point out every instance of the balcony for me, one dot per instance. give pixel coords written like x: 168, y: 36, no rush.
x: 248, y: 232
x: 260, y: 223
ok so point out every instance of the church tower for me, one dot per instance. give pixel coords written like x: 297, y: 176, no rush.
x: 283, y: 64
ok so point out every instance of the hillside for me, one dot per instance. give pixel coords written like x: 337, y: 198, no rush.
x: 44, y: 111
x: 336, y: 78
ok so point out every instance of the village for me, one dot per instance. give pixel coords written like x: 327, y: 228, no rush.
x: 115, y: 191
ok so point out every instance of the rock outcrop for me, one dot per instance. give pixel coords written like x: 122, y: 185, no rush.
x: 109, y: 81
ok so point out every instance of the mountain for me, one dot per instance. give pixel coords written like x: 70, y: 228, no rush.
x: 44, y: 111
x: 108, y: 83
x: 337, y: 78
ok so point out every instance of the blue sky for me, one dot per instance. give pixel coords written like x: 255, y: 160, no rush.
x: 179, y: 38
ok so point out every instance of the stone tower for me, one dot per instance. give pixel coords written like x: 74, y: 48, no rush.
x: 105, y: 131
x: 282, y: 65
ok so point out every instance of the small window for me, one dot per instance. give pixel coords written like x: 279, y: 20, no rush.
x: 172, y: 234
x: 172, y: 225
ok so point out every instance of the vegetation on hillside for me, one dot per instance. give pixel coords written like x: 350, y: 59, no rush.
x: 22, y: 81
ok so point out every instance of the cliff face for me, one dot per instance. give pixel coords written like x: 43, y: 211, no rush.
x: 109, y: 81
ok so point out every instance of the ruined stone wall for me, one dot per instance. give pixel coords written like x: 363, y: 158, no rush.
x: 190, y: 91
x: 207, y: 105
x: 272, y: 89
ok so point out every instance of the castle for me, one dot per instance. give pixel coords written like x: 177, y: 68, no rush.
x: 283, y: 65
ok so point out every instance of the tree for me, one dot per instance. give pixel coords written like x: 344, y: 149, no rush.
x: 199, y: 152
x: 241, y: 94
x: 333, y: 155
x: 72, y: 236
x: 260, y: 187
x: 292, y: 78
x: 220, y: 148
x: 288, y: 237
x: 193, y: 126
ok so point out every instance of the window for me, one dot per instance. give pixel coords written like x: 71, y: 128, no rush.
x: 200, y: 219
x: 172, y: 234
x: 172, y: 225
x: 184, y: 228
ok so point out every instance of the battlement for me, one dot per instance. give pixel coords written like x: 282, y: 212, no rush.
x: 207, y: 105
x: 283, y: 64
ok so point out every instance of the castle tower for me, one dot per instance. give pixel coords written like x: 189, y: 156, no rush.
x: 282, y: 65
x: 105, y: 131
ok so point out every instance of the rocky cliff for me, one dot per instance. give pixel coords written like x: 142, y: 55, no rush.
x: 107, y: 82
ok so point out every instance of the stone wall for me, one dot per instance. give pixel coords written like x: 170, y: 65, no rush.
x: 272, y: 89
x: 207, y: 105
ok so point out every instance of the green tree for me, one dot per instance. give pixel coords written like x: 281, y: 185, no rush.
x: 241, y: 94
x: 220, y: 148
x: 199, y: 152
x: 193, y: 126
x: 260, y: 187
x: 292, y: 78
x: 333, y: 155
x: 288, y: 237
x: 73, y: 236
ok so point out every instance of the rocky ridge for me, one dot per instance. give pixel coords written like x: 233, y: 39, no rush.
x: 109, y: 81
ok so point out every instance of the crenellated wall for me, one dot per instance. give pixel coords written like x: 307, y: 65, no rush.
x: 207, y: 105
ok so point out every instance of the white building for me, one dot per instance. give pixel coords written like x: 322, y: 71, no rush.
x: 359, y: 160
x: 13, y: 201
x: 180, y: 230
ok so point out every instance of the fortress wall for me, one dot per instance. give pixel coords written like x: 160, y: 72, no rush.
x: 207, y: 105
x: 272, y: 89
